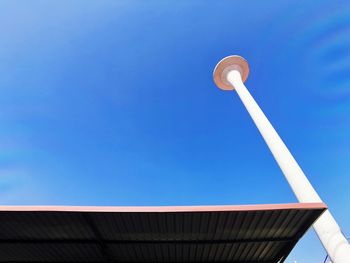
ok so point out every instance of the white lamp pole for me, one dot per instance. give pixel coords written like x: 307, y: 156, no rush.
x: 229, y: 74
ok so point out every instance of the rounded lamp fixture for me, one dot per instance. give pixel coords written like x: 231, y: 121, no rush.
x: 227, y: 64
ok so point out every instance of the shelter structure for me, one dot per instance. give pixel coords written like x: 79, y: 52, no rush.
x: 251, y: 233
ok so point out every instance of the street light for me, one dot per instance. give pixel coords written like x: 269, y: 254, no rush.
x: 230, y: 74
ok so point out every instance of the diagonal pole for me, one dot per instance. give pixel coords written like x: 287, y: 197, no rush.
x: 230, y: 74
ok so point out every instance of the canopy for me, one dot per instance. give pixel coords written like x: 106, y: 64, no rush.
x: 253, y: 233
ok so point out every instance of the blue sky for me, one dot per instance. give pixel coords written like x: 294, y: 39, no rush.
x: 113, y: 103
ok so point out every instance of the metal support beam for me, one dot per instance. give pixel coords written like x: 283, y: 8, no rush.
x: 99, y: 240
x: 104, y: 242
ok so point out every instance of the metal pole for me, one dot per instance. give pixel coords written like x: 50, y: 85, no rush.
x: 229, y: 74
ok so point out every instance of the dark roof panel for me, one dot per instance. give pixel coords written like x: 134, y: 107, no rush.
x: 256, y: 233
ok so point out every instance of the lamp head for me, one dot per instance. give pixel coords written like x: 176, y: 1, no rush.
x: 225, y: 66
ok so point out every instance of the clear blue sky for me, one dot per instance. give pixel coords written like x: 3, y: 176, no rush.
x: 113, y: 103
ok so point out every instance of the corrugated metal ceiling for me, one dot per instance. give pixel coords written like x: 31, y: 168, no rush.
x: 261, y: 233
